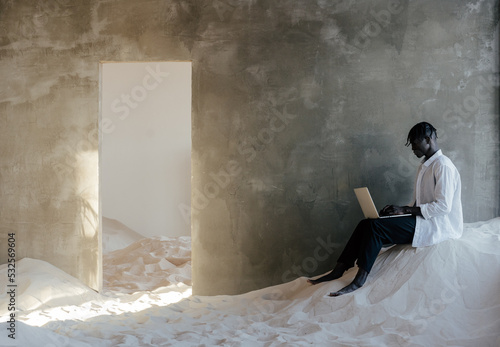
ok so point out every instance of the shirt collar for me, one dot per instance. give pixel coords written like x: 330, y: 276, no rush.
x: 432, y: 158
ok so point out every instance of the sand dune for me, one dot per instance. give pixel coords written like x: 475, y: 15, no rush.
x: 445, y: 295
x: 117, y: 235
x: 148, y: 264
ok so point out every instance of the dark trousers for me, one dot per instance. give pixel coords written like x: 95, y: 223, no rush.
x: 371, y: 234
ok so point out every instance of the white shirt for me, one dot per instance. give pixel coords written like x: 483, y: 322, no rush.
x: 438, y: 194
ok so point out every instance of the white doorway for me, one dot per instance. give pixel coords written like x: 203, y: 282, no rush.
x: 145, y: 149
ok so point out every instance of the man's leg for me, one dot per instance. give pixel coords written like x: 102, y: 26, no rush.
x: 351, y: 252
x: 398, y: 230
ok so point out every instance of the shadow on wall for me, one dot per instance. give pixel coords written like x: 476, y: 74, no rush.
x: 89, y: 235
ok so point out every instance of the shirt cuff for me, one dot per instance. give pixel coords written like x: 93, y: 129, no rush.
x: 425, y: 213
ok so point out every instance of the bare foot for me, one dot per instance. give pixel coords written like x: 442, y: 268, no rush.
x: 356, y: 283
x: 336, y: 273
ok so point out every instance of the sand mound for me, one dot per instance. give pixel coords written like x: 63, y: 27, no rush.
x: 116, y: 235
x: 148, y: 264
x: 41, y: 285
x: 445, y: 295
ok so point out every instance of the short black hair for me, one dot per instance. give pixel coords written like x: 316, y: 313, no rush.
x: 420, y: 131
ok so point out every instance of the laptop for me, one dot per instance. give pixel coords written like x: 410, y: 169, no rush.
x: 367, y: 205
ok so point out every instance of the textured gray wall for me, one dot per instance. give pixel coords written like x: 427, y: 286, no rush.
x: 294, y: 104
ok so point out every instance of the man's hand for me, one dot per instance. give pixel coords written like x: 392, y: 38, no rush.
x: 391, y: 210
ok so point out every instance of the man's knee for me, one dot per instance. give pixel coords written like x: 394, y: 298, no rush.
x: 366, y: 227
x: 368, y: 223
x: 364, y: 223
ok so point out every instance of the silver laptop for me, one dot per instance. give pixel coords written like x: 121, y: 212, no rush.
x: 367, y: 205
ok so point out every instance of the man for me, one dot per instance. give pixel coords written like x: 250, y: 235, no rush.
x: 436, y: 213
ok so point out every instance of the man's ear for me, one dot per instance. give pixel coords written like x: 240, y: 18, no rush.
x: 427, y: 139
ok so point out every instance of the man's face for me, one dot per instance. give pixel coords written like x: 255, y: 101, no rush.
x: 420, y: 146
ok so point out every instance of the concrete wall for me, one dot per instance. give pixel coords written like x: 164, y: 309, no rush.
x: 294, y: 104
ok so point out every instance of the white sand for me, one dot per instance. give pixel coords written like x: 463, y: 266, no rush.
x: 117, y: 235
x: 445, y: 295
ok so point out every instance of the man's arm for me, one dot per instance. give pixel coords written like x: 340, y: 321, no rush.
x: 391, y: 210
x: 414, y: 211
x: 446, y: 179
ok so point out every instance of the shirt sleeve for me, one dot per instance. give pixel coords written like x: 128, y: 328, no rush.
x: 413, y: 201
x: 444, y: 190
